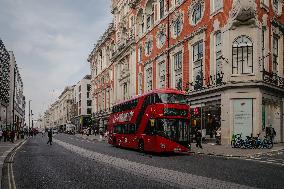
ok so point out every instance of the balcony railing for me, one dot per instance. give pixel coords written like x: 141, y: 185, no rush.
x: 201, y: 82
x: 273, y: 79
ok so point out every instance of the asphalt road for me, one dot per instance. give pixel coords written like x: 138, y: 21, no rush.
x: 72, y: 162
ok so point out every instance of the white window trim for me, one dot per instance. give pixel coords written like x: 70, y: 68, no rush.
x: 278, y: 11
x: 172, y: 71
x: 158, y: 64
x: 213, y: 12
x: 145, y: 77
x: 190, y: 49
x: 190, y: 12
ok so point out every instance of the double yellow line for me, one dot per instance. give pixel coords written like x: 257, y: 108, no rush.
x: 11, y: 178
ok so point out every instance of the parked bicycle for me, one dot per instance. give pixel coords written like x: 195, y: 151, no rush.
x: 251, y: 142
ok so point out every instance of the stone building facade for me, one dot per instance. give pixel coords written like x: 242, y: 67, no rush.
x: 82, y: 103
x: 61, y: 111
x: 4, y: 84
x: 102, y: 77
x: 17, y: 102
x: 228, y: 55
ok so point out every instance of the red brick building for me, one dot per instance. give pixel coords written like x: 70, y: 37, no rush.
x: 228, y: 55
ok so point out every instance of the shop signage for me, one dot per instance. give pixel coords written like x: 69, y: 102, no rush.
x: 243, y: 116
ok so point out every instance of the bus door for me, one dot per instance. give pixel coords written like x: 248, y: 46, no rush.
x: 150, y: 136
x: 129, y: 137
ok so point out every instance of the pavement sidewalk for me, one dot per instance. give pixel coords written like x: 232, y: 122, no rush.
x: 228, y: 151
x: 5, y: 149
x: 213, y: 149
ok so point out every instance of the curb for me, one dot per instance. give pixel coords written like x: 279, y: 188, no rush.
x: 235, y: 156
x: 4, y: 156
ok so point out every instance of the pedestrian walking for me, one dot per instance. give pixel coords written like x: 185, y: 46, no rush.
x: 1, y: 135
x: 5, y: 135
x: 49, y: 134
x: 12, y: 136
x: 218, y: 136
x: 198, y: 138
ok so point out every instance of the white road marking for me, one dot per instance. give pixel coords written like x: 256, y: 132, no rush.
x: 11, y: 178
x: 171, y: 177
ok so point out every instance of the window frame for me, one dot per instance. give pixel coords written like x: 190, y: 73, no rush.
x: 194, y: 19
x: 162, y: 8
x: 275, y: 53
x: 178, y: 66
x: 149, y: 79
x: 249, y: 50
x: 218, y: 52
x: 199, y: 60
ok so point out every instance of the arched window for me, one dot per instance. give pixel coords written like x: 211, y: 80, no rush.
x: 197, y: 12
x: 242, y: 56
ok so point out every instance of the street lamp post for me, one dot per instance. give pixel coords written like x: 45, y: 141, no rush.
x: 29, y: 117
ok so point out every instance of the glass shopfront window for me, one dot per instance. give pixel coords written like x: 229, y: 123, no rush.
x: 206, y: 117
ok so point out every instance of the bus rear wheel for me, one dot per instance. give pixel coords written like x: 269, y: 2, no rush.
x: 141, y: 146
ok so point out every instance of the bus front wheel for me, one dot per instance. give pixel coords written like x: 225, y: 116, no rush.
x: 141, y: 146
x: 114, y: 141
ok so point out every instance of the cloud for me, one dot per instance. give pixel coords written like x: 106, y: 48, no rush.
x: 51, y: 40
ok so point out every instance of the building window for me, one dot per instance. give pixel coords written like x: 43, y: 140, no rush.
x: 162, y: 74
x: 89, y: 110
x: 197, y: 12
x: 108, y: 99
x: 125, y: 90
x: 88, y: 94
x: 149, y: 79
x: 275, y: 54
x: 178, y: 2
x: 161, y: 37
x: 162, y: 9
x: 148, y: 47
x: 177, y: 26
x: 88, y: 87
x: 198, y: 63
x: 178, y: 70
x: 140, y: 54
x: 216, y: 5
x: 242, y: 56
x: 80, y: 88
x: 276, y: 4
x: 89, y: 102
x: 140, y: 83
x: 218, y: 52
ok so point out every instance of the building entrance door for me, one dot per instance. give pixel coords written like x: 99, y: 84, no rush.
x: 243, y: 117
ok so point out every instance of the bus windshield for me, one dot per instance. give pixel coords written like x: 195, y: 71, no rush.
x: 173, y: 129
x: 169, y: 98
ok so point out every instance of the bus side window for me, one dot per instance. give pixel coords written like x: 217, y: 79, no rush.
x: 132, y: 128
x: 149, y: 130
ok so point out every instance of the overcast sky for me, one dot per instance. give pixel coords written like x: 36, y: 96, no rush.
x: 51, y: 40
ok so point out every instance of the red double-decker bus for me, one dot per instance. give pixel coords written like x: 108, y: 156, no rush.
x: 156, y: 122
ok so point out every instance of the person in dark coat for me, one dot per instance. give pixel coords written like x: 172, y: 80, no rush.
x: 198, y: 137
x: 49, y: 134
x: 12, y: 136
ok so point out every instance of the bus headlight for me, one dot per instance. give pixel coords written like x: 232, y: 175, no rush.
x: 163, y: 146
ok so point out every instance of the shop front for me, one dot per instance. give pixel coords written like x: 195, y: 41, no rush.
x: 206, y: 116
